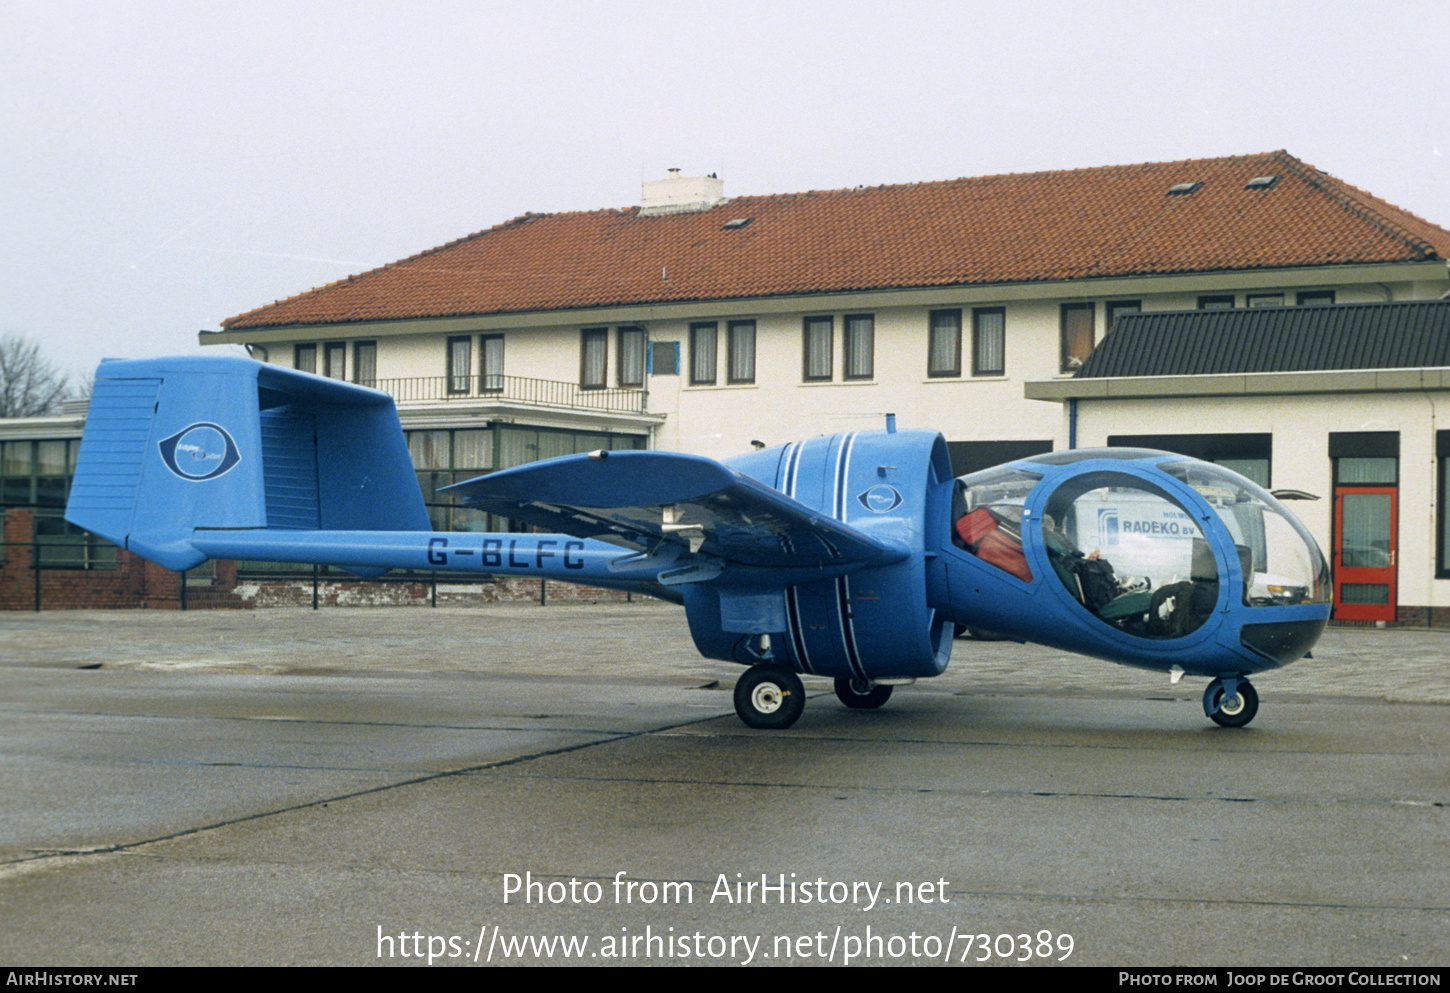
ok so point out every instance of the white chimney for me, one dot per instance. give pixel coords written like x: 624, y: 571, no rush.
x: 680, y: 194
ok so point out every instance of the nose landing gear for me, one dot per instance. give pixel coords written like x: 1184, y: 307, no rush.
x: 1230, y: 701
x: 769, y: 696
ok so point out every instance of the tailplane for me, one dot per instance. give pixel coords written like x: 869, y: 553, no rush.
x: 177, y: 445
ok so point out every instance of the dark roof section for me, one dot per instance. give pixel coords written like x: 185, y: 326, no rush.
x: 1047, y: 226
x: 1408, y: 335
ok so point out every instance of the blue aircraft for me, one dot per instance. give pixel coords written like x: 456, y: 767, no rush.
x: 853, y: 556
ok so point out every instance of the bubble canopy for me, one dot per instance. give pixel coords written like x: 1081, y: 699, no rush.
x: 1137, y: 552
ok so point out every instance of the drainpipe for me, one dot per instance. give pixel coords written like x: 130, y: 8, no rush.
x: 1071, y: 423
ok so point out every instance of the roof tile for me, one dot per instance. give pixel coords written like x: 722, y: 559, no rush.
x: 1078, y: 224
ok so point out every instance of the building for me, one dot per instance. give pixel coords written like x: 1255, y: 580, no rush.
x: 703, y: 323
x: 700, y: 323
x: 1348, y: 403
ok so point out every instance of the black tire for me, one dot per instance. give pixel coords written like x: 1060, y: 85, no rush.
x: 982, y: 634
x: 861, y: 694
x: 769, y: 696
x: 1235, y: 717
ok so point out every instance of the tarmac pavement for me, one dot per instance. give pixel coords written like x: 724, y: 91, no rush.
x: 416, y: 785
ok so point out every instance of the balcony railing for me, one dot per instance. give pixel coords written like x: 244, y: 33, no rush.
x: 510, y: 389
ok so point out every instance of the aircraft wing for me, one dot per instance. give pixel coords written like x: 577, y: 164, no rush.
x: 641, y: 499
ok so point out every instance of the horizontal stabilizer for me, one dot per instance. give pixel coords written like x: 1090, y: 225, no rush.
x: 176, y: 445
x: 643, y: 499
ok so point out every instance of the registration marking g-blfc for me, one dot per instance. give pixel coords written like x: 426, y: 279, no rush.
x: 199, y: 452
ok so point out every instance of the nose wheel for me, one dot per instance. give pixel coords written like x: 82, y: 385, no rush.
x: 1230, y: 702
x: 769, y: 696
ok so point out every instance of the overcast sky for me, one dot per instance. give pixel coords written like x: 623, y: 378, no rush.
x: 166, y: 165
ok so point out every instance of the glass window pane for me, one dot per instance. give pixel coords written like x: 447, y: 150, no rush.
x: 944, y: 350
x: 492, y: 362
x: 460, y: 364
x: 594, y: 363
x: 365, y: 363
x: 473, y: 449
x: 860, y: 346
x: 818, y: 332
x: 989, y: 341
x: 429, y: 449
x: 1077, y: 335
x: 742, y: 352
x: 1360, y: 471
x: 631, y: 357
x: 702, y: 354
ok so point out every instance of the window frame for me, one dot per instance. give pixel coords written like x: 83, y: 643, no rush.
x: 824, y: 325
x: 1218, y: 301
x: 1088, y: 308
x: 978, y: 367
x: 850, y: 370
x: 599, y: 337
x: 335, y: 350
x: 630, y: 374
x: 955, y: 343
x: 735, y: 331
x: 702, y: 332
x: 458, y: 368
x: 359, y: 350
x: 486, y: 373
x: 1314, y: 298
x: 1264, y: 299
x: 310, y: 363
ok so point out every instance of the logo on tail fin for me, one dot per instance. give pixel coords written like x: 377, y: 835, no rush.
x: 200, y: 452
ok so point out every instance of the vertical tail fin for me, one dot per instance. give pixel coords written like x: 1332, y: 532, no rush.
x: 176, y: 445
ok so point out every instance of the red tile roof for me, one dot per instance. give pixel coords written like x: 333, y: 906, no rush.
x: 1078, y: 224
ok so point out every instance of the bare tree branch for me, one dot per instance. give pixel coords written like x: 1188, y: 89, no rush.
x: 30, y: 386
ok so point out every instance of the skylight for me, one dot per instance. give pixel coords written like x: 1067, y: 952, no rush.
x: 737, y: 223
x: 1182, y: 189
x: 1261, y: 182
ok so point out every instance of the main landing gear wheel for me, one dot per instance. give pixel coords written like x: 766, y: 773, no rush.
x: 1234, y: 712
x: 769, y: 696
x: 861, y: 694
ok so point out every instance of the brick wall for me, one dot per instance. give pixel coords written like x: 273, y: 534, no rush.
x: 136, y: 583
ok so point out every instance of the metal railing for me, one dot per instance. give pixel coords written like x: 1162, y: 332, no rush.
x: 514, y: 389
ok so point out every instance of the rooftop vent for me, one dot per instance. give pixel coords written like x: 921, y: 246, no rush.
x: 1261, y: 183
x: 1183, y: 189
x: 737, y: 223
x: 681, y: 194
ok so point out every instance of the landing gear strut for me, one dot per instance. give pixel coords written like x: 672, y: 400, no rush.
x: 1230, y: 701
x: 769, y: 696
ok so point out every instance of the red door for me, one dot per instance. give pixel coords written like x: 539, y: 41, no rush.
x: 1366, y: 528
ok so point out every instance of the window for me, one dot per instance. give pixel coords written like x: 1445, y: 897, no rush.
x: 365, y: 363
x: 304, y: 358
x: 334, y: 358
x: 944, y: 346
x: 460, y: 364
x: 702, y: 353
x: 491, y: 354
x: 631, y: 356
x: 1077, y: 334
x: 664, y: 358
x: 740, y: 349
x: 860, y: 347
x: 1116, y: 308
x: 1249, y: 455
x: 594, y: 358
x: 818, y: 360
x: 1264, y: 300
x: 1224, y: 302
x: 989, y: 341
x: 1316, y: 298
